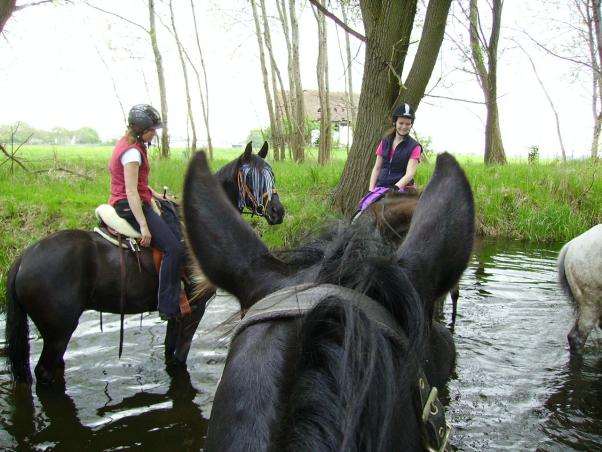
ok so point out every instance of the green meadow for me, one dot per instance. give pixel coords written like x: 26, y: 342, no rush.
x: 549, y: 201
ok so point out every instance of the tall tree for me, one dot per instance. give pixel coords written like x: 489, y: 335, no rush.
x: 388, y: 25
x: 264, y: 74
x: 203, y: 88
x: 348, y: 69
x: 185, y: 74
x: 290, y: 27
x: 161, y: 78
x: 282, y: 105
x: 589, y: 11
x: 484, y: 60
x: 579, y: 44
x: 323, y: 90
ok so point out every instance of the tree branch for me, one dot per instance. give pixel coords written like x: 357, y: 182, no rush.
x: 338, y: 21
x: 116, y: 15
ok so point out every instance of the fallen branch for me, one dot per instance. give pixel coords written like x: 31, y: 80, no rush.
x: 65, y: 170
x: 11, y: 158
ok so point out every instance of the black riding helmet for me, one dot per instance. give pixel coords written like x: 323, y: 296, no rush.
x: 143, y: 117
x: 404, y: 111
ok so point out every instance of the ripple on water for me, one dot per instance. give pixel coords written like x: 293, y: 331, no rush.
x: 515, y: 386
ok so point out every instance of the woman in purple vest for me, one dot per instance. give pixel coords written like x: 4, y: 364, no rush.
x: 133, y: 200
x: 397, y: 158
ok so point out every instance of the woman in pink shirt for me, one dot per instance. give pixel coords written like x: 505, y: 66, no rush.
x: 397, y: 158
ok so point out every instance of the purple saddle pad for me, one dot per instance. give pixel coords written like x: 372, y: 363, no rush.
x: 372, y: 196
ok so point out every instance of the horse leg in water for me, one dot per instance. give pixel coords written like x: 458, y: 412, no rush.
x: 179, y: 334
x: 589, y: 311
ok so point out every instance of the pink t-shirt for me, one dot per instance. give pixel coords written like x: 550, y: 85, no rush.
x: 414, y: 155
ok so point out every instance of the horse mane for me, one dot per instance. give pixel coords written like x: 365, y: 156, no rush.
x: 346, y: 363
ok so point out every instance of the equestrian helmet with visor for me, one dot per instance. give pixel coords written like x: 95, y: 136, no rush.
x: 403, y: 111
x: 143, y: 117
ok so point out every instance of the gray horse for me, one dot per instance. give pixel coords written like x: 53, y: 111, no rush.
x: 580, y: 276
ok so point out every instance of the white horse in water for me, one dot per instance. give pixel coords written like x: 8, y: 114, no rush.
x: 580, y: 276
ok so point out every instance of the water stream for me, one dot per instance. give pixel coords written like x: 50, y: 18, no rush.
x: 516, y: 387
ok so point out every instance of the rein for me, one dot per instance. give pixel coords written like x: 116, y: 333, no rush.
x: 259, y: 199
x: 296, y: 301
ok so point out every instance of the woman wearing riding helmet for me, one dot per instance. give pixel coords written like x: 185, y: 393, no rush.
x: 398, y: 154
x: 397, y: 158
x: 133, y: 200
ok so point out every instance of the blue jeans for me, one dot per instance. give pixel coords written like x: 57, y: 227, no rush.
x: 166, y: 237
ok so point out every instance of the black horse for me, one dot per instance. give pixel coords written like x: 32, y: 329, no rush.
x: 337, y: 350
x: 392, y: 214
x: 68, y: 272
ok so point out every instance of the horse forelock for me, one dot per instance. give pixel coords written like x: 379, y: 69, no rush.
x: 343, y: 385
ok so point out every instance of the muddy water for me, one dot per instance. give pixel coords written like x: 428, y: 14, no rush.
x: 515, y: 387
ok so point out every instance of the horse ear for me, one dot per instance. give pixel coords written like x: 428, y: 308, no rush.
x: 263, y: 152
x: 439, y: 243
x: 226, y: 248
x: 248, y: 151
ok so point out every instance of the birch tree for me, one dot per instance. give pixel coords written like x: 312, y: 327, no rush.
x: 323, y: 90
x: 161, y: 78
x: 185, y: 74
x: 290, y: 27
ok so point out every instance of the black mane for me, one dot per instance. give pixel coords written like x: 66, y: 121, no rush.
x: 338, y: 345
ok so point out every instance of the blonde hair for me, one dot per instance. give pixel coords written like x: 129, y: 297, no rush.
x: 131, y: 135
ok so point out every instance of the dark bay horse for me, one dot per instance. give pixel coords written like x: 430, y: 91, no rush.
x: 337, y: 350
x: 59, y: 277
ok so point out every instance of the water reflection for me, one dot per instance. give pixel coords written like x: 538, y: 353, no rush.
x: 145, y: 420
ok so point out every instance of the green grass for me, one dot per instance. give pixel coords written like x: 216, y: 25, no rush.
x: 544, y: 202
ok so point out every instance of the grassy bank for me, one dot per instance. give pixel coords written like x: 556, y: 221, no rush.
x: 542, y: 202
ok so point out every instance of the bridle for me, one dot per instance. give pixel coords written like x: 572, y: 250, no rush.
x: 260, y: 194
x: 296, y: 301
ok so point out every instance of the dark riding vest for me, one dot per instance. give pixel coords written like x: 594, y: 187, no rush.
x: 393, y: 170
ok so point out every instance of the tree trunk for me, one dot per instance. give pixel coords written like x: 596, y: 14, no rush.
x: 487, y: 76
x: 7, y: 7
x: 264, y: 74
x: 433, y: 32
x: 185, y: 74
x: 595, y: 45
x: 323, y: 91
x: 388, y: 25
x: 349, y: 75
x: 204, y: 93
x: 280, y: 99
x: 295, y: 75
x: 161, y: 77
x: 290, y: 101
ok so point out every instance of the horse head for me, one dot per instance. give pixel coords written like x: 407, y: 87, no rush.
x: 250, y: 184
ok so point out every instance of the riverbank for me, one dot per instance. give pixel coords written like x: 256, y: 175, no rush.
x: 543, y: 202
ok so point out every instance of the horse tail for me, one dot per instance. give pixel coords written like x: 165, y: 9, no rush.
x: 562, y: 281
x: 17, y: 330
x: 342, y: 397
